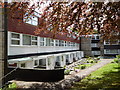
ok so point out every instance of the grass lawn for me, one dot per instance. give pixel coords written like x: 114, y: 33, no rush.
x: 107, y: 77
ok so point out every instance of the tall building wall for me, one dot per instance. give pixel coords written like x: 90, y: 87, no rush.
x: 86, y: 46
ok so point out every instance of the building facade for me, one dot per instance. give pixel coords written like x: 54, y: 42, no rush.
x: 28, y: 49
x: 92, y: 46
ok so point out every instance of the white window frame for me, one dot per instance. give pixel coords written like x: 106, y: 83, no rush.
x: 51, y: 42
x: 36, y: 41
x: 56, y: 42
x: 17, y: 39
x: 42, y: 41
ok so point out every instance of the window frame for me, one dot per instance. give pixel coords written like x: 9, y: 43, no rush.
x: 16, y: 39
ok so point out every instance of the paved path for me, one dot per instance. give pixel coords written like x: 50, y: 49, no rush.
x: 87, y: 71
x: 63, y: 84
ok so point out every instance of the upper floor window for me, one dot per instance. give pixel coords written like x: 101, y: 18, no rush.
x: 47, y: 41
x: 42, y: 41
x: 34, y: 40
x: 15, y: 39
x: 51, y: 42
x: 26, y: 40
x: 33, y: 20
x: 93, y: 37
x: 97, y: 37
x: 63, y: 43
x: 60, y: 42
x: 56, y: 42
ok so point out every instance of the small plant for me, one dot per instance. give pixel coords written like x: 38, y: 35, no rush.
x: 67, y: 72
x: 11, y: 86
x: 83, y: 66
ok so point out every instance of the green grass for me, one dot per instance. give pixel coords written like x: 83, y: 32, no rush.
x: 107, y: 77
x: 11, y: 86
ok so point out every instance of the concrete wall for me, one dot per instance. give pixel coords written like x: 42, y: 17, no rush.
x: 86, y: 46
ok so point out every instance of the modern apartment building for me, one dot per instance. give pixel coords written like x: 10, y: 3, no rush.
x: 92, y: 46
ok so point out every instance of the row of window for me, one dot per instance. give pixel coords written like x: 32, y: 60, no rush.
x: 115, y: 42
x: 111, y: 51
x: 23, y: 39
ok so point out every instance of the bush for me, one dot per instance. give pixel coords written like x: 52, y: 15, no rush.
x: 91, y: 61
x: 116, y: 60
x: 118, y: 56
x: 87, y: 61
x: 83, y: 66
x: 67, y: 72
x: 112, y: 61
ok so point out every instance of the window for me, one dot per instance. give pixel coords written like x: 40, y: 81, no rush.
x: 51, y: 42
x: 96, y: 52
x: 47, y: 42
x: 60, y: 42
x: 36, y: 62
x: 112, y: 51
x: 97, y: 37
x: 15, y: 39
x: 42, y: 62
x: 65, y: 43
x: 56, y: 42
x: 94, y: 45
x: 34, y: 40
x: 33, y: 20
x: 23, y: 65
x: 93, y: 37
x: 26, y: 40
x: 114, y: 42
x: 42, y: 41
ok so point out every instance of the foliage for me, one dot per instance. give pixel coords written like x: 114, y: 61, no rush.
x: 118, y: 56
x: 72, y: 18
x: 91, y: 61
x: 83, y: 66
x: 67, y: 72
x: 116, y: 60
x: 106, y: 77
x: 11, y: 86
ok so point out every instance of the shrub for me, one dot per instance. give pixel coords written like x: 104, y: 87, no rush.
x: 116, y: 60
x: 67, y: 72
x: 87, y: 61
x: 112, y: 61
x: 91, y: 61
x: 118, y: 56
x: 83, y: 66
